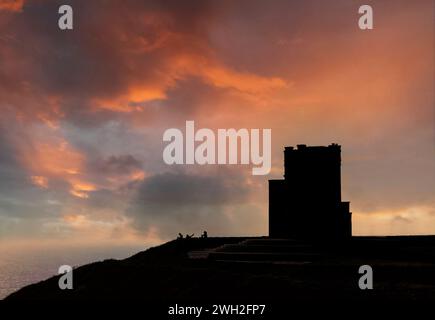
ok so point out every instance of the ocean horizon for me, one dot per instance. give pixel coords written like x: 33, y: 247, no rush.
x: 19, y: 268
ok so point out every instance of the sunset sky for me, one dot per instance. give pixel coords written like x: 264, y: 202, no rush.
x: 83, y: 113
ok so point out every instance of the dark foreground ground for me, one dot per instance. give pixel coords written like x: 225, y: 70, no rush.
x: 403, y: 271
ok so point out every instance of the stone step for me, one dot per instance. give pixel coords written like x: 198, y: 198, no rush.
x: 259, y: 250
x: 199, y: 254
x: 263, y: 256
x: 272, y: 242
x: 266, y: 248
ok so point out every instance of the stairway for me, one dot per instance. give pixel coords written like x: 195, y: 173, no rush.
x: 263, y: 250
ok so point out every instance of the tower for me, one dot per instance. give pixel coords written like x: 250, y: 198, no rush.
x: 307, y: 203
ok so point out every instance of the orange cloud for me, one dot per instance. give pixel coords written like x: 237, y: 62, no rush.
x: 181, y: 66
x: 80, y: 189
x: 12, y: 5
x: 40, y: 181
x: 48, y: 156
x: 76, y: 220
x: 53, y: 158
x: 224, y: 77
x: 116, y: 181
x: 136, y: 94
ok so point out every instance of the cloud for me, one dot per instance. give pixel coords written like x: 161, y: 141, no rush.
x: 52, y: 162
x: 83, y: 112
x: 175, y: 202
x: 416, y: 219
x: 48, y: 75
x: 49, y: 158
x: 122, y: 164
x: 182, y: 189
x: 39, y: 181
x: 400, y: 219
x: 11, y: 5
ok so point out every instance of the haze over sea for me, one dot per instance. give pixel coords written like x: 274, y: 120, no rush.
x: 24, y: 265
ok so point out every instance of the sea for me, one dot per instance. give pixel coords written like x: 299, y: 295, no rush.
x: 24, y: 266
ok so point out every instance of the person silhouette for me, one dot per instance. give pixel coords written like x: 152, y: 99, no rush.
x: 204, y: 235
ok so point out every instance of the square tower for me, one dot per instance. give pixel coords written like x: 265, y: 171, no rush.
x: 307, y: 203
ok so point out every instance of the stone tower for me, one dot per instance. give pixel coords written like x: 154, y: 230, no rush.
x: 307, y: 203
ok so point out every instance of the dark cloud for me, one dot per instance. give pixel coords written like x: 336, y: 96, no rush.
x: 180, y: 189
x: 178, y: 202
x: 120, y: 165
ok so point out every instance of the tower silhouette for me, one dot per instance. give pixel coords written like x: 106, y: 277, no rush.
x: 307, y: 203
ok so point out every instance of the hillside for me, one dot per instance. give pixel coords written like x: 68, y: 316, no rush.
x: 403, y: 268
